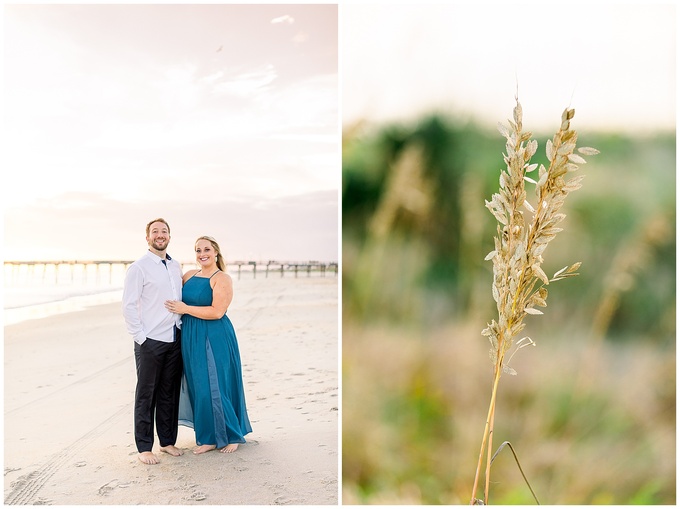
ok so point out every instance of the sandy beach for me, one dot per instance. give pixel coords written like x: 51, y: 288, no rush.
x: 69, y: 390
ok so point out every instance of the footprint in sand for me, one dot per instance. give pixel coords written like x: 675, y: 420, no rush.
x: 329, y: 481
x: 285, y: 501
x: 106, y: 488
x: 197, y: 495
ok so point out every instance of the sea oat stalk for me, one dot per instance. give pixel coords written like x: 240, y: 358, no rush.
x: 519, y: 282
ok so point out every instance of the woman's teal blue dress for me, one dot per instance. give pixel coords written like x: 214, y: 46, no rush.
x: 212, y: 401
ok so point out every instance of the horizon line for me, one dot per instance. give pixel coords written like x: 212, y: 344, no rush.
x: 129, y: 262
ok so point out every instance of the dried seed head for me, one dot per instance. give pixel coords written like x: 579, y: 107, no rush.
x: 519, y: 281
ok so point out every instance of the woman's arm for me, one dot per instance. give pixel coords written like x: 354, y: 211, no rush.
x: 223, y: 292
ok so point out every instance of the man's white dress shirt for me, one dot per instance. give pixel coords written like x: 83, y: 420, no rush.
x: 148, y: 284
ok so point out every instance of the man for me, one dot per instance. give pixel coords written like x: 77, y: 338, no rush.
x: 149, y: 282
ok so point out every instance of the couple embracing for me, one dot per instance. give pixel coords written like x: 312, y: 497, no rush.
x: 186, y: 353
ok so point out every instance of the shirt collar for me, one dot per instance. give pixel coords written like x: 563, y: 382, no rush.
x: 158, y: 259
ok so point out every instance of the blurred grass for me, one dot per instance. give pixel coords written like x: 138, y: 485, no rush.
x: 414, y: 407
x: 591, y: 412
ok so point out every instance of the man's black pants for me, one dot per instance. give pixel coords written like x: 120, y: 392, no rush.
x: 159, y: 374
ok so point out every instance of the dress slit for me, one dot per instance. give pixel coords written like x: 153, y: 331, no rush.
x: 212, y: 398
x: 216, y: 398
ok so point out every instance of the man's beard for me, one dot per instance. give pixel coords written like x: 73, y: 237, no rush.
x: 162, y: 246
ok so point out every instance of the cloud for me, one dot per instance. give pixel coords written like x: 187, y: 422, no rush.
x: 300, y: 37
x: 212, y: 78
x: 283, y: 19
x: 302, y: 227
x: 247, y: 84
x: 307, y: 103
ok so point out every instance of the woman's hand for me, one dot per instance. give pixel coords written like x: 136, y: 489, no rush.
x: 176, y: 306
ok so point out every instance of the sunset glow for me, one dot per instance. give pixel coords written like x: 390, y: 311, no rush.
x: 207, y: 115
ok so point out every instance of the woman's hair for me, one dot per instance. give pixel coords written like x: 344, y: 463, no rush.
x: 218, y: 257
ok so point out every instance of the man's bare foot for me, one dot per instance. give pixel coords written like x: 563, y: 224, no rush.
x: 229, y: 448
x: 171, y: 449
x: 148, y: 458
x: 204, y: 448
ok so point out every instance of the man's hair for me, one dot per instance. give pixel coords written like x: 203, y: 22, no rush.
x: 159, y: 220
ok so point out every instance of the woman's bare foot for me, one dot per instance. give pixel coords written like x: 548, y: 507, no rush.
x: 229, y: 448
x: 148, y: 458
x: 204, y: 448
x: 171, y: 449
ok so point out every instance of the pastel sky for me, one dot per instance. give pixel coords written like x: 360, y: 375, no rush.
x: 223, y: 119
x: 613, y: 62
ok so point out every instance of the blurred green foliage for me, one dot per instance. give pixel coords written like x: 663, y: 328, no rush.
x: 592, y: 411
x: 627, y: 205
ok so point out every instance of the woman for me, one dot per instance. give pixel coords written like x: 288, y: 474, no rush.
x: 212, y: 363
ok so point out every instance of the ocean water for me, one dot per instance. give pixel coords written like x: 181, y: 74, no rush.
x: 36, y: 290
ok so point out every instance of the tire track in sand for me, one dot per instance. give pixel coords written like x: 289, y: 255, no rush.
x: 259, y: 309
x: 86, y: 379
x: 26, y: 487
